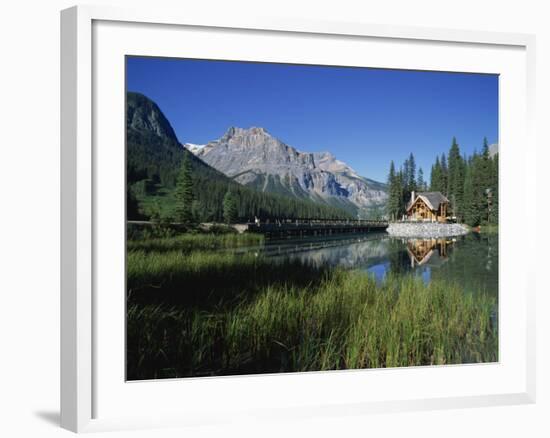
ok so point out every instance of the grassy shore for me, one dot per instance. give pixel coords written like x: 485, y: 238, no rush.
x: 195, y: 242
x: 201, y: 313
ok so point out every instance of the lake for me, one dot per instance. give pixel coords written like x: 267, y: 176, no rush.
x: 470, y: 260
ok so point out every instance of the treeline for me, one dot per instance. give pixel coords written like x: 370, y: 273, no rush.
x: 469, y: 182
x: 202, y: 196
x: 400, y: 185
x: 217, y: 200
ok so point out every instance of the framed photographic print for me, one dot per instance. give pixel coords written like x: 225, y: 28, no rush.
x: 257, y: 208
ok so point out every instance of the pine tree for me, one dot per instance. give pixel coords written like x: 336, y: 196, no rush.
x: 493, y: 214
x: 230, y: 209
x: 401, y: 193
x: 478, y: 203
x: 411, y: 174
x: 444, y: 181
x: 392, y: 206
x: 486, y: 181
x: 455, y: 182
x: 421, y: 185
x: 133, y: 211
x: 436, y: 177
x: 184, y: 192
x: 471, y: 185
x: 471, y: 215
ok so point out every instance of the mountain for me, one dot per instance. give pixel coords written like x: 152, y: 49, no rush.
x: 493, y: 149
x: 153, y: 160
x: 194, y: 147
x: 153, y: 150
x: 144, y: 116
x: 255, y: 158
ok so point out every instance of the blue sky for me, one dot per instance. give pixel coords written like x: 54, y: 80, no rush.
x: 365, y: 117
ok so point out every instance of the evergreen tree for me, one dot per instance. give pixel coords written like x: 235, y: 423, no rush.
x: 470, y: 183
x: 230, y: 209
x: 478, y: 201
x: 184, y: 192
x: 471, y: 214
x: 133, y: 211
x: 444, y: 181
x: 436, y: 177
x: 486, y: 180
x: 405, y: 172
x: 493, y: 214
x: 401, y: 193
x: 411, y: 174
x: 199, y: 211
x: 421, y: 185
x: 455, y: 182
x: 394, y: 195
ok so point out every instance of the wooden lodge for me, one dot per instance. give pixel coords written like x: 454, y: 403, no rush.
x: 428, y: 207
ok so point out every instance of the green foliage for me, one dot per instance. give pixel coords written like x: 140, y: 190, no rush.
x: 493, y: 213
x: 214, y: 239
x: 470, y: 184
x: 392, y: 206
x: 133, y: 212
x: 209, y: 313
x: 420, y: 183
x: 444, y: 175
x: 184, y: 192
x: 481, y: 190
x: 436, y: 180
x: 411, y: 180
x: 455, y: 181
x: 230, y: 211
x: 400, y: 185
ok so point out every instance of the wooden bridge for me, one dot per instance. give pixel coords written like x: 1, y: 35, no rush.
x: 279, y: 229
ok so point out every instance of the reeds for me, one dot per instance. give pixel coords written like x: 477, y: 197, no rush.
x: 203, y: 313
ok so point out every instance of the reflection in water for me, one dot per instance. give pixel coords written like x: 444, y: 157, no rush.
x: 470, y: 260
x: 421, y: 251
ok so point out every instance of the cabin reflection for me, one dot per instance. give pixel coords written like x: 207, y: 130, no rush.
x: 428, y: 251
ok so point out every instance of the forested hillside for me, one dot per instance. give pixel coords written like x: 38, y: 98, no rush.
x: 469, y: 182
x: 155, y: 159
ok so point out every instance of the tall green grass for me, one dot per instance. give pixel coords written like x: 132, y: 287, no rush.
x: 209, y: 279
x: 204, y: 313
x: 195, y: 242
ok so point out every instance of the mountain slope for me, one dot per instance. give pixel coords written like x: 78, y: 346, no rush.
x: 255, y: 158
x: 154, y: 157
x: 153, y: 150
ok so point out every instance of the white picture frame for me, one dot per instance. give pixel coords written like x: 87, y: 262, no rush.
x: 85, y: 374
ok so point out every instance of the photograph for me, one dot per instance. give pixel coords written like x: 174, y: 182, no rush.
x: 296, y: 218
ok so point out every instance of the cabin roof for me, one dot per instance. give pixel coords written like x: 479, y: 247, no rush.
x: 432, y: 199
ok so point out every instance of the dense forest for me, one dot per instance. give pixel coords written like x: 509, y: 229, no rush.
x: 166, y: 182
x: 469, y: 182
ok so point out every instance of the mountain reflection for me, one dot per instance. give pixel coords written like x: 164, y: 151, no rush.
x: 381, y: 255
x: 396, y: 255
x: 359, y: 252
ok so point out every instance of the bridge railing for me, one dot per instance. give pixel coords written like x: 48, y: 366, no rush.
x: 319, y: 223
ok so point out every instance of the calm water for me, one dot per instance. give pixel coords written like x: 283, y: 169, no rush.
x: 470, y: 260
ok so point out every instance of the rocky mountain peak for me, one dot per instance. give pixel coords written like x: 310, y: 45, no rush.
x: 253, y: 157
x: 143, y: 115
x: 235, y: 133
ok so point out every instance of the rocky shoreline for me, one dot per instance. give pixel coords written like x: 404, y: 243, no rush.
x: 425, y: 229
